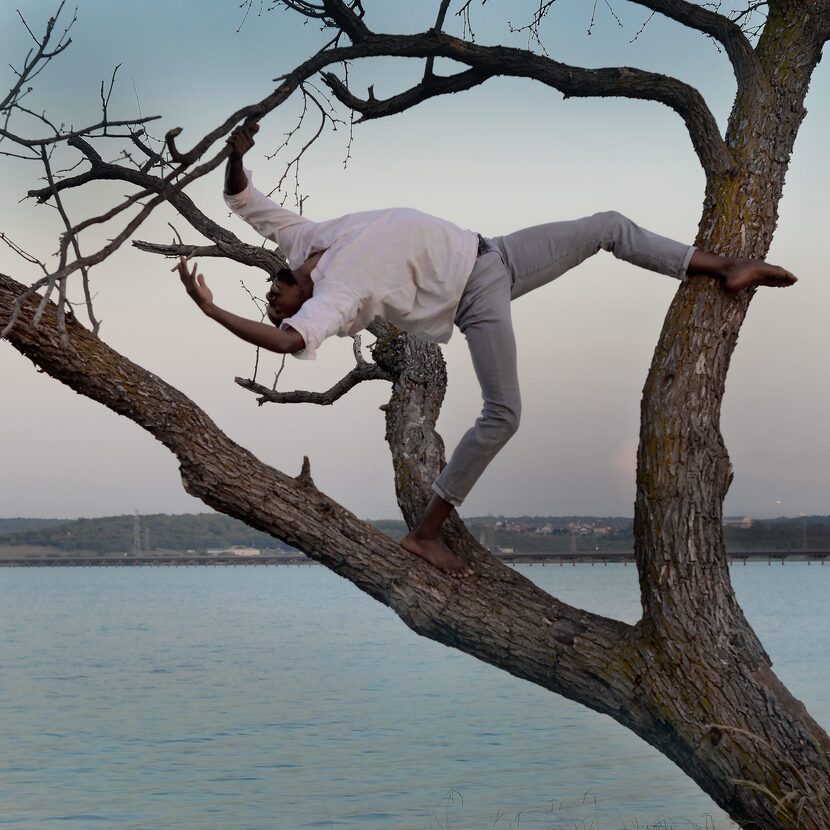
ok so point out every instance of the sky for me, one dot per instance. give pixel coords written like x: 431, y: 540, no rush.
x: 507, y: 155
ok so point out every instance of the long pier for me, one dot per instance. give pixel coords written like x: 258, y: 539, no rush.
x: 518, y: 558
x: 627, y: 557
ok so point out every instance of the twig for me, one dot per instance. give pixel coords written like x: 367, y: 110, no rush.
x: 106, y: 100
x: 277, y: 374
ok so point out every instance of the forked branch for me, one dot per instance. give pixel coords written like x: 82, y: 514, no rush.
x: 253, y: 255
x: 430, y: 87
x: 363, y: 371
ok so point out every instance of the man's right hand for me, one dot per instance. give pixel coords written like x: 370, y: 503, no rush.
x: 240, y: 141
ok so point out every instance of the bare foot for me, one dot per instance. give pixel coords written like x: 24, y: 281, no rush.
x: 743, y: 273
x: 437, y: 554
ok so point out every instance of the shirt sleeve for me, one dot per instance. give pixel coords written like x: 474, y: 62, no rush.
x: 265, y: 216
x: 327, y: 312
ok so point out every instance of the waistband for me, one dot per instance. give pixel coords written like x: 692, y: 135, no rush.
x: 484, y: 245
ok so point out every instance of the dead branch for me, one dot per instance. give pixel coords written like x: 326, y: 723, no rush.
x: 253, y: 255
x: 105, y: 99
x: 35, y: 63
x: 430, y: 87
x: 347, y: 17
x: 23, y: 254
x: 85, y: 131
x: 362, y: 372
x: 437, y: 27
x: 325, y: 118
x: 73, y: 239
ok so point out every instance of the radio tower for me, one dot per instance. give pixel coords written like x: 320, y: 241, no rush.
x: 136, y: 533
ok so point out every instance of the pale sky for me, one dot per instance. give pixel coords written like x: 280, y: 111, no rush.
x: 507, y: 155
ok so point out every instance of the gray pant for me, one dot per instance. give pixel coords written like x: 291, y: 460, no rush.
x: 508, y: 267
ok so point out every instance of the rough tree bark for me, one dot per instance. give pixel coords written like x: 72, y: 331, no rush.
x: 691, y: 677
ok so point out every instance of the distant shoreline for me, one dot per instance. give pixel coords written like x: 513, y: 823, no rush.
x: 553, y: 558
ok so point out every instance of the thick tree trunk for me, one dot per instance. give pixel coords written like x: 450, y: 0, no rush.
x: 755, y: 748
x: 703, y: 690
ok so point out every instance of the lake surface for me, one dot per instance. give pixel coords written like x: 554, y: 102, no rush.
x: 282, y: 697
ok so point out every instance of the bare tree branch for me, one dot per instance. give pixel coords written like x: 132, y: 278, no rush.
x: 348, y: 17
x: 430, y: 87
x: 23, y: 254
x: 437, y: 27
x: 294, y: 163
x: 748, y: 70
x: 572, y: 81
x: 165, y: 188
x: 253, y: 255
x: 361, y: 372
x: 34, y: 64
x: 76, y: 247
x: 85, y: 131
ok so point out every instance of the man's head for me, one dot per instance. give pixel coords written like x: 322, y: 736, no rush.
x: 283, y: 297
x: 290, y: 289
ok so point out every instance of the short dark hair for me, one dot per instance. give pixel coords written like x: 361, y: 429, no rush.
x: 283, y: 275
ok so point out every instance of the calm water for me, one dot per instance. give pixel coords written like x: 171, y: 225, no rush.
x: 233, y: 698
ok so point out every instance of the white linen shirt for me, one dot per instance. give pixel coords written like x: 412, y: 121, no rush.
x: 398, y: 265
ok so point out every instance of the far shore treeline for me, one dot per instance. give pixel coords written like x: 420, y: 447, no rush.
x: 201, y: 532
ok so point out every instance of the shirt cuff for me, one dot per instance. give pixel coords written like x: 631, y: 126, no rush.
x: 309, y: 352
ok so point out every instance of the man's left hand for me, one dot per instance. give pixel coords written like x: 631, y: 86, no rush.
x: 195, y: 285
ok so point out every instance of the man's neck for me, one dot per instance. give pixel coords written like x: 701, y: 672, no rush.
x: 306, y: 285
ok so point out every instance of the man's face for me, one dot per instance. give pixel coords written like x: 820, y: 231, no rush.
x: 284, y: 298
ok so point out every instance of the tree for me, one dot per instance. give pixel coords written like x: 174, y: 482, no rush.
x: 691, y: 677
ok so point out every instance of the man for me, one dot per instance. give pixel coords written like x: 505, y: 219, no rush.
x: 423, y: 274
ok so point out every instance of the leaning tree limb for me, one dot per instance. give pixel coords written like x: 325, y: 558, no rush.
x: 467, y: 615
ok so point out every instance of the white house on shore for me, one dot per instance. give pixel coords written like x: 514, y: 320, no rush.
x: 735, y: 521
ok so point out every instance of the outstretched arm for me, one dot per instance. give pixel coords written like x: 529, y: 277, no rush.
x: 265, y: 216
x: 259, y: 334
x: 240, y: 141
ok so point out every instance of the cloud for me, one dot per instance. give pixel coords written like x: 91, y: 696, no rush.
x: 624, y: 458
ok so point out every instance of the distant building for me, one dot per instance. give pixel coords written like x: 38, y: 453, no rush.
x: 744, y: 522
x: 243, y: 551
